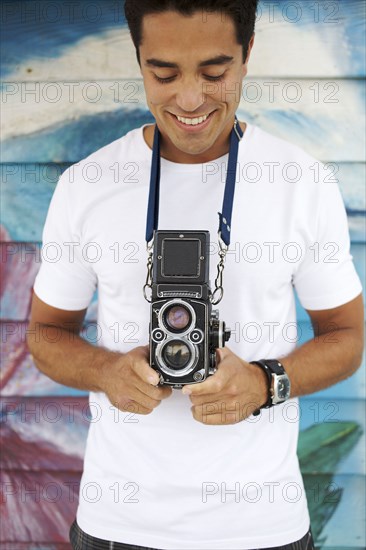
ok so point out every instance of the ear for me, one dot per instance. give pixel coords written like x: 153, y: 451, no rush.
x: 250, y: 47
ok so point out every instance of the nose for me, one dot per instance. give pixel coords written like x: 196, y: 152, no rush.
x: 190, y: 95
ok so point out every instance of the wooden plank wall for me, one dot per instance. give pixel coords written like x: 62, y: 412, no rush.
x: 71, y: 84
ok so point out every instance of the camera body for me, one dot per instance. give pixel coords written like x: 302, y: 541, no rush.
x: 184, y: 329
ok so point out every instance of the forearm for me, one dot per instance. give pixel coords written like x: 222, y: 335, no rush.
x: 68, y: 359
x: 323, y: 361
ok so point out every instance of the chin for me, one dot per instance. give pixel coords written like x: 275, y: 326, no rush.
x: 192, y: 150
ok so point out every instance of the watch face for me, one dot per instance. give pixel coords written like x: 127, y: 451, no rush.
x: 281, y: 388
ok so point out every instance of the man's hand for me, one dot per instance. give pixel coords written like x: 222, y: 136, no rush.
x: 230, y: 395
x: 130, y: 383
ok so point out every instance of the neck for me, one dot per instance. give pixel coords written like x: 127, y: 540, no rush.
x: 169, y: 152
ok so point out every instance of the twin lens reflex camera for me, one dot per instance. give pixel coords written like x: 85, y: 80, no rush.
x: 184, y: 329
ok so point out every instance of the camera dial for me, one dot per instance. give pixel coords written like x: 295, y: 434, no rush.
x: 219, y: 333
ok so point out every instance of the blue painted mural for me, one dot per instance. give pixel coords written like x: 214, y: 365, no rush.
x: 71, y: 84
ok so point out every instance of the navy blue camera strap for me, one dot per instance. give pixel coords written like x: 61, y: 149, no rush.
x: 227, y: 206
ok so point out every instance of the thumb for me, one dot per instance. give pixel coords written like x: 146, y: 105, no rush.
x: 146, y: 352
x: 146, y: 373
x: 221, y: 354
x: 143, y: 369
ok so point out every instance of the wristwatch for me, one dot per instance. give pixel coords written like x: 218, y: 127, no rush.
x: 279, y: 385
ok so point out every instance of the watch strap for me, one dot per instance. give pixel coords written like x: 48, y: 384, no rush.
x: 268, y: 366
x: 268, y: 374
x: 274, y: 365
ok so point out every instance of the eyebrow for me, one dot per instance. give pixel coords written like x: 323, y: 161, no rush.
x: 218, y: 60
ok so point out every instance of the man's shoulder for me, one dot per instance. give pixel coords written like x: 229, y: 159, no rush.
x: 270, y: 146
x: 131, y: 143
x: 130, y: 147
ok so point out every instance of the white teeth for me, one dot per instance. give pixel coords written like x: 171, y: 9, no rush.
x: 192, y: 121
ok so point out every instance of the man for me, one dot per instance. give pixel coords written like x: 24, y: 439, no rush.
x: 196, y: 469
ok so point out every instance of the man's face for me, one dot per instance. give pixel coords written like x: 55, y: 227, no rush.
x: 192, y: 67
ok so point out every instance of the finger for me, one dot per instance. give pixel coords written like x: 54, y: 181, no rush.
x: 212, y: 385
x: 215, y: 413
x: 166, y: 391
x: 136, y: 408
x: 209, y: 398
x: 129, y: 406
x: 134, y: 394
x: 142, y: 352
x: 217, y: 419
x: 145, y: 372
x: 216, y: 382
x: 146, y: 350
x: 145, y: 400
x: 222, y: 353
x: 155, y: 392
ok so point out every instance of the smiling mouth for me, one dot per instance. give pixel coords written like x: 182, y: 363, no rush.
x: 193, y: 121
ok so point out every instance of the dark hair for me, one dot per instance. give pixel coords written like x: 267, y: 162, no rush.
x: 242, y: 13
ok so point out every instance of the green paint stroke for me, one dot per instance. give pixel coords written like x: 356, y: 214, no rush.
x: 320, y: 449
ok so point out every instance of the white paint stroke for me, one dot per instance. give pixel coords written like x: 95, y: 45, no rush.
x: 281, y: 49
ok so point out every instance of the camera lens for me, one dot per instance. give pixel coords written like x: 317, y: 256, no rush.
x: 177, y: 318
x: 176, y: 354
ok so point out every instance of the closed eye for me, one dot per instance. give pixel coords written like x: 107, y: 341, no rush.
x: 171, y: 78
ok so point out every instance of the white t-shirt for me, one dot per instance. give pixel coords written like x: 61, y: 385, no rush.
x: 165, y: 480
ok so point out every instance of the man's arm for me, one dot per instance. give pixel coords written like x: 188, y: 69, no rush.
x: 59, y: 352
x: 332, y: 355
